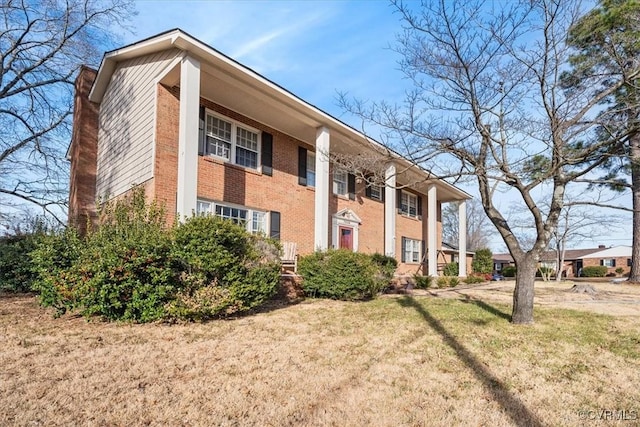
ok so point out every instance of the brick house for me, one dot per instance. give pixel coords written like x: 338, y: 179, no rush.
x: 575, y: 259
x: 203, y: 133
x: 612, y: 258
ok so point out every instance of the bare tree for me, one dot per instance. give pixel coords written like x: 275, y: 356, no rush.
x: 479, y: 228
x: 576, y: 225
x: 488, y: 102
x: 42, y: 45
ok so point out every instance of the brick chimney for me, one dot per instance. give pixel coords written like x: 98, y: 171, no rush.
x: 83, y: 153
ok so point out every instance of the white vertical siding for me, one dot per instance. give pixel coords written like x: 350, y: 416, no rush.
x: 125, y: 135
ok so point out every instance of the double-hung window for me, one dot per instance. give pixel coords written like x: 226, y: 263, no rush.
x: 375, y: 192
x: 311, y: 169
x: 218, y: 137
x: 411, y: 250
x: 409, y: 204
x: 340, y: 182
x: 609, y: 262
x: 232, y: 142
x: 253, y: 220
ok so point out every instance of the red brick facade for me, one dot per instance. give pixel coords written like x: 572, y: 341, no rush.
x: 223, y: 182
x: 620, y: 262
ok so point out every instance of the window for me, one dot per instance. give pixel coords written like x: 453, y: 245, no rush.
x: 610, y: 262
x: 255, y: 221
x: 409, y: 204
x: 311, y: 169
x: 340, y: 183
x: 375, y: 192
x: 411, y: 250
x: 234, y: 143
x: 218, y: 137
x: 203, y: 208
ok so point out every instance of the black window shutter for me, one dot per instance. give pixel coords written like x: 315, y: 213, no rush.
x: 367, y: 191
x: 274, y: 225
x: 614, y: 262
x: 402, y: 253
x: 382, y: 192
x: 302, y: 166
x: 419, y: 205
x: 267, y: 153
x: 201, y: 132
x: 351, y: 186
x: 399, y: 200
x: 601, y: 262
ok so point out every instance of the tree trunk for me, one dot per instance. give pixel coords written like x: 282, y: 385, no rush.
x: 634, y: 274
x: 523, y: 294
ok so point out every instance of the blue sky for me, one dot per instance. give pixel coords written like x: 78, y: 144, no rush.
x: 313, y: 48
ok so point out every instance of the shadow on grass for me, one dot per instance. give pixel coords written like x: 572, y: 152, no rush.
x: 513, y: 407
x: 489, y: 308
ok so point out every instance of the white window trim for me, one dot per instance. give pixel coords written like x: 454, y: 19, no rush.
x: 249, y: 222
x: 340, y: 173
x: 234, y: 134
x: 404, y: 250
x: 409, y: 196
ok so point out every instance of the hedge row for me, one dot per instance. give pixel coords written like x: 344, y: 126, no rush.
x: 135, y: 268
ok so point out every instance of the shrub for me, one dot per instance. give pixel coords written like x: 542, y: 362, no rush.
x: 16, y: 272
x: 125, y: 270
x: 451, y: 269
x: 423, y: 282
x: 509, y: 271
x: 619, y: 270
x: 472, y: 279
x: 447, y: 281
x: 387, y: 264
x: 340, y: 274
x: 134, y: 268
x: 483, y: 261
x: 594, y: 271
x: 54, y: 256
x: 217, y: 253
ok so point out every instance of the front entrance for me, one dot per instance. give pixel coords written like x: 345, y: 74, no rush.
x: 346, y: 237
x: 345, y: 225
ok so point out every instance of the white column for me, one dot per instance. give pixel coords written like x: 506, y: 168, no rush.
x: 188, y: 137
x: 323, y: 183
x: 462, y: 238
x: 432, y: 230
x: 390, y: 204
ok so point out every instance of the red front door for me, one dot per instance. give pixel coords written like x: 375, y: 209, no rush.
x: 346, y: 237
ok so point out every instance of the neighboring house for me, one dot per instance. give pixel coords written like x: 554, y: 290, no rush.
x: 576, y: 259
x: 204, y: 134
x: 612, y: 258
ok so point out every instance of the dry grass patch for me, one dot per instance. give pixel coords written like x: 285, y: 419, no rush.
x: 393, y: 361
